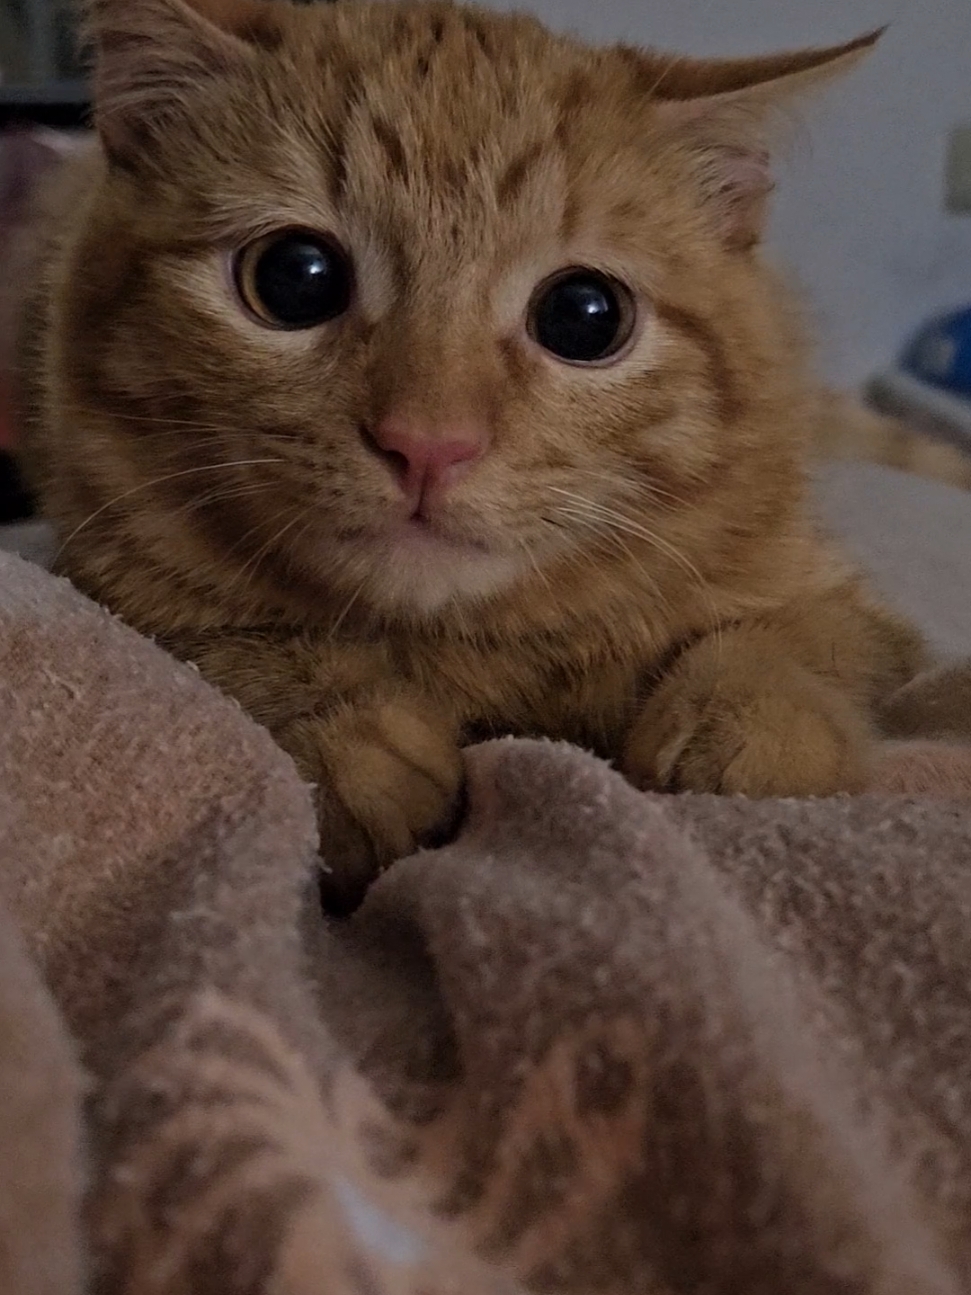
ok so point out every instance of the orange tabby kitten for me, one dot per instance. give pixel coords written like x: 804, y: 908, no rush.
x: 414, y: 372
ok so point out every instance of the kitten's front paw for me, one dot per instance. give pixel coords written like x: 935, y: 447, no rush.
x: 390, y: 780
x: 769, y: 729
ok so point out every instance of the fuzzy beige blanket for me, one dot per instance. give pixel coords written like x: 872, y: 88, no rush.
x: 604, y: 1042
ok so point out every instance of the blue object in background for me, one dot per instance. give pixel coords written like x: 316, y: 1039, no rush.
x: 940, y: 353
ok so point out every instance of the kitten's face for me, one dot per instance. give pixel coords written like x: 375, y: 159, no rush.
x: 449, y: 292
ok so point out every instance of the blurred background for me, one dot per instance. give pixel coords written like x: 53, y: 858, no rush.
x: 39, y: 59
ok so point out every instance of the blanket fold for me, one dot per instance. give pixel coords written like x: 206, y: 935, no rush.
x: 602, y: 1042
x: 42, y: 1250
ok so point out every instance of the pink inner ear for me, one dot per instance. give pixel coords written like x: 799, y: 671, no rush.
x: 746, y: 171
x: 733, y: 164
x: 739, y: 182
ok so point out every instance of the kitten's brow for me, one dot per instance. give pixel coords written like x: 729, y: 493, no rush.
x: 516, y: 175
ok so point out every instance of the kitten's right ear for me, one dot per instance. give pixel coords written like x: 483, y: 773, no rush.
x: 148, y: 54
x: 721, y: 111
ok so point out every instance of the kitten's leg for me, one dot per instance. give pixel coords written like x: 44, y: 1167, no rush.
x: 385, y: 759
x: 389, y: 776
x: 780, y: 706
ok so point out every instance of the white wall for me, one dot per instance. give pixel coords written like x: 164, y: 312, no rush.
x: 859, y: 212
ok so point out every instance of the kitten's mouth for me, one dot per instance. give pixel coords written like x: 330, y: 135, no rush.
x: 421, y: 531
x: 418, y: 533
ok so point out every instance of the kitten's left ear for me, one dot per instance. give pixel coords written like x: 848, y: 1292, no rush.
x: 722, y: 111
x: 148, y: 54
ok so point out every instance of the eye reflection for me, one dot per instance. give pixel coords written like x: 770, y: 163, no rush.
x: 581, y: 316
x: 294, y: 279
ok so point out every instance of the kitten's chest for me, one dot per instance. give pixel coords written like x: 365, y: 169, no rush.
x: 537, y: 686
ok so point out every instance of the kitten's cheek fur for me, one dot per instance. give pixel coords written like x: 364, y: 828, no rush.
x: 762, y: 728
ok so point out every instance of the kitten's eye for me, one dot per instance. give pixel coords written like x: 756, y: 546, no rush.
x: 581, y: 316
x: 294, y: 279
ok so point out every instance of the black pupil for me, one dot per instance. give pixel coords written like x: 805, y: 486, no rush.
x: 301, y: 281
x: 578, y: 318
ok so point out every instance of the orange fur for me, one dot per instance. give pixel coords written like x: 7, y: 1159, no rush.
x: 630, y: 566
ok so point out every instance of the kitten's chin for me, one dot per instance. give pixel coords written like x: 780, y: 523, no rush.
x: 419, y: 570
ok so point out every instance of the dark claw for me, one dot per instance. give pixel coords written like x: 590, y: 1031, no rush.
x: 343, y: 892
x: 342, y: 896
x: 446, y: 832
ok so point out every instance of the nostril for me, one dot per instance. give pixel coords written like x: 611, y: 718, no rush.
x: 396, y: 461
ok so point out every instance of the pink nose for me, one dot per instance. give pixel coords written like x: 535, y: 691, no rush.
x: 424, y: 460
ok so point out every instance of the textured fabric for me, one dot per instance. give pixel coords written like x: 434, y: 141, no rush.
x: 41, y: 1246
x: 602, y: 1042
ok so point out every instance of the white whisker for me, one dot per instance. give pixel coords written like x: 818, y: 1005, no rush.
x: 157, y: 481
x: 339, y: 620
x: 251, y: 565
x: 592, y: 511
